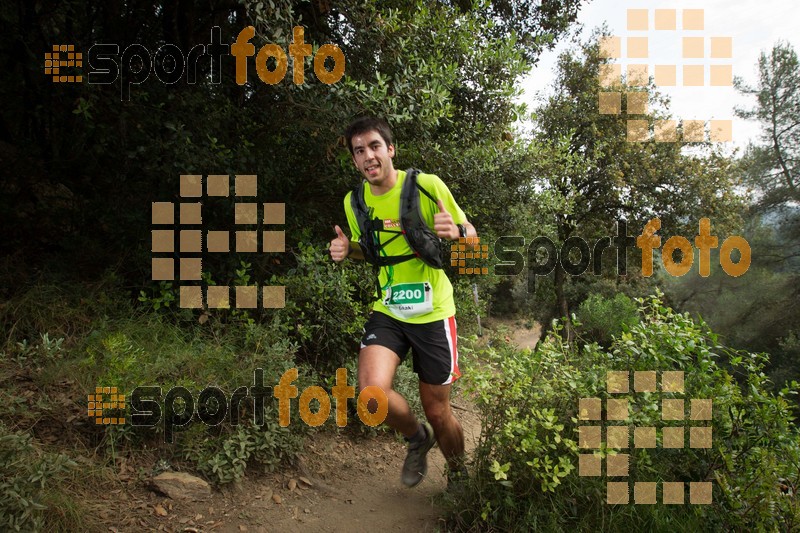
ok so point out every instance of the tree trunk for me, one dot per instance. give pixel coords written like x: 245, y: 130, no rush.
x: 561, y: 301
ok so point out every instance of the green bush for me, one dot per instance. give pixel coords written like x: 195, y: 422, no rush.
x: 525, y: 463
x: 157, y: 353
x: 603, y: 318
x: 111, y: 342
x: 225, y: 458
x: 327, y: 303
x: 27, y: 476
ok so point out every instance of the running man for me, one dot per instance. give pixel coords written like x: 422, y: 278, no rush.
x: 415, y: 307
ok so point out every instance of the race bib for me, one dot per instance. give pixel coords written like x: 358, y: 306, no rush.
x: 407, y: 300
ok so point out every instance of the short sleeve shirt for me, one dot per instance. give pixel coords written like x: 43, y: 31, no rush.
x: 409, y: 274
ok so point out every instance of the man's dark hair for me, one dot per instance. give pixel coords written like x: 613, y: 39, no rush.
x: 366, y: 124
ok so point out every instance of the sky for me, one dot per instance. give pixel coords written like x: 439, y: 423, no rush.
x: 753, y: 25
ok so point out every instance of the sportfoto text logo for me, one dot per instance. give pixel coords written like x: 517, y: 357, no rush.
x: 179, y: 408
x: 575, y: 255
x: 169, y: 64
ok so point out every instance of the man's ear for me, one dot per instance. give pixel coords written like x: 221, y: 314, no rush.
x: 390, y: 150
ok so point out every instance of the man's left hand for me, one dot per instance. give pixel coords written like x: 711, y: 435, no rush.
x: 443, y: 224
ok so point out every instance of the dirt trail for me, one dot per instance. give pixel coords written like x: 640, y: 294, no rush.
x: 355, y: 486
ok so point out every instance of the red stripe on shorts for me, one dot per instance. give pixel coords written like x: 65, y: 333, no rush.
x: 451, y: 324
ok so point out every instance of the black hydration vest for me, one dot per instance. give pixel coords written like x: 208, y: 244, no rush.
x: 422, y: 240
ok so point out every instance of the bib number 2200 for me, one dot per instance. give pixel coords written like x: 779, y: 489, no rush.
x: 408, y: 300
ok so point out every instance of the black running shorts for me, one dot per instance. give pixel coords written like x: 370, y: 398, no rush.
x: 434, y: 345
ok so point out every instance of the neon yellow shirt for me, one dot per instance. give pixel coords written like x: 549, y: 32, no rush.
x: 413, y: 278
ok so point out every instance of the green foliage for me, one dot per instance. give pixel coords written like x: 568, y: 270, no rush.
x: 326, y: 306
x: 94, y: 159
x: 592, y: 176
x: 159, y: 353
x: 526, y: 449
x: 153, y: 350
x: 26, y: 476
x: 129, y: 349
x: 224, y: 459
x: 604, y: 318
x: 163, y: 296
x: 45, y: 351
x: 525, y: 462
x: 758, y: 311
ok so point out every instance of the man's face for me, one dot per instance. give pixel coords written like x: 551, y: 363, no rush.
x: 373, y: 157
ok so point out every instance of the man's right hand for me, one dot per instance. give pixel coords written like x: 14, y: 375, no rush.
x: 340, y: 246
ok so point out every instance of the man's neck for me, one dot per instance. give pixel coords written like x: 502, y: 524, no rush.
x: 386, y: 186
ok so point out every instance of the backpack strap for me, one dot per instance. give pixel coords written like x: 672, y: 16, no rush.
x: 421, y: 238
x: 369, y: 241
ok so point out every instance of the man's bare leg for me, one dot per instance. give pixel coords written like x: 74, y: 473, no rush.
x: 377, y: 366
x: 449, y: 435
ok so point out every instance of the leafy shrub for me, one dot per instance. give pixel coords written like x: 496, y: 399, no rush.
x: 225, y: 459
x: 47, y: 350
x: 24, y: 474
x: 525, y: 462
x: 526, y: 448
x: 153, y: 351
x: 327, y: 305
x: 604, y: 318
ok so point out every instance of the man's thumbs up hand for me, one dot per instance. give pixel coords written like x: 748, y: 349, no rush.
x: 443, y: 224
x: 340, y: 246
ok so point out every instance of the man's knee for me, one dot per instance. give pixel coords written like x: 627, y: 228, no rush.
x: 373, y: 380
x: 438, y: 413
